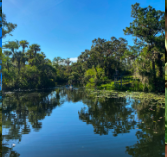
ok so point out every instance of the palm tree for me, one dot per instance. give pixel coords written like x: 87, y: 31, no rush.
x: 24, y: 58
x: 30, y: 54
x: 43, y: 54
x: 12, y: 45
x: 35, y: 48
x: 19, y: 55
x: 38, y: 60
x: 7, y: 53
x: 67, y: 62
x: 24, y: 44
x: 56, y: 61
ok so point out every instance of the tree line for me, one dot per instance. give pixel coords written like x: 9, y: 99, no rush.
x: 145, y: 60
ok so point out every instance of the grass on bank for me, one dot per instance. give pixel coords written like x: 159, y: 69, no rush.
x: 128, y: 84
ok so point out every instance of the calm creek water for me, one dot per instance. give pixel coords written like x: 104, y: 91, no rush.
x: 67, y: 123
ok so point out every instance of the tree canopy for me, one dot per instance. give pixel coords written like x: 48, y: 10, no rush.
x: 144, y: 61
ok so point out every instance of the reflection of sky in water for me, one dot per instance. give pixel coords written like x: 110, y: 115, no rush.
x: 63, y: 133
x: 129, y: 102
x: 68, y: 133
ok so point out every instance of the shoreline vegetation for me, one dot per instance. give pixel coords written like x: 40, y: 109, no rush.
x: 138, y: 68
x: 158, y: 97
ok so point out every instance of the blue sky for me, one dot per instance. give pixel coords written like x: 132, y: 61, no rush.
x: 66, y: 28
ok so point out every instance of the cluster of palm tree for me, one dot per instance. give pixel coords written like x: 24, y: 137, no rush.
x: 21, y: 57
x: 24, y: 69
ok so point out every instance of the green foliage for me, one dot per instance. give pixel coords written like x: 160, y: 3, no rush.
x: 147, y: 23
x: 144, y: 61
x: 7, y: 27
x: 94, y: 77
x: 73, y: 77
x: 148, y: 27
x: 38, y: 71
x: 110, y: 86
x: 165, y: 71
x: 24, y: 44
x: 137, y: 86
x: 132, y: 85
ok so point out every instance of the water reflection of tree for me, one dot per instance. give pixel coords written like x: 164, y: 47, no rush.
x: 108, y: 114
x: 113, y: 114
x: 22, y: 110
x: 147, y: 145
x: 72, y: 95
x: 151, y: 138
x: 8, y: 152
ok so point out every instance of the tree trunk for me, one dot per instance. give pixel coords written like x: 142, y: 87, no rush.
x: 165, y: 53
x: 159, y: 62
x: 19, y: 67
x: 8, y: 67
x: 154, y: 74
